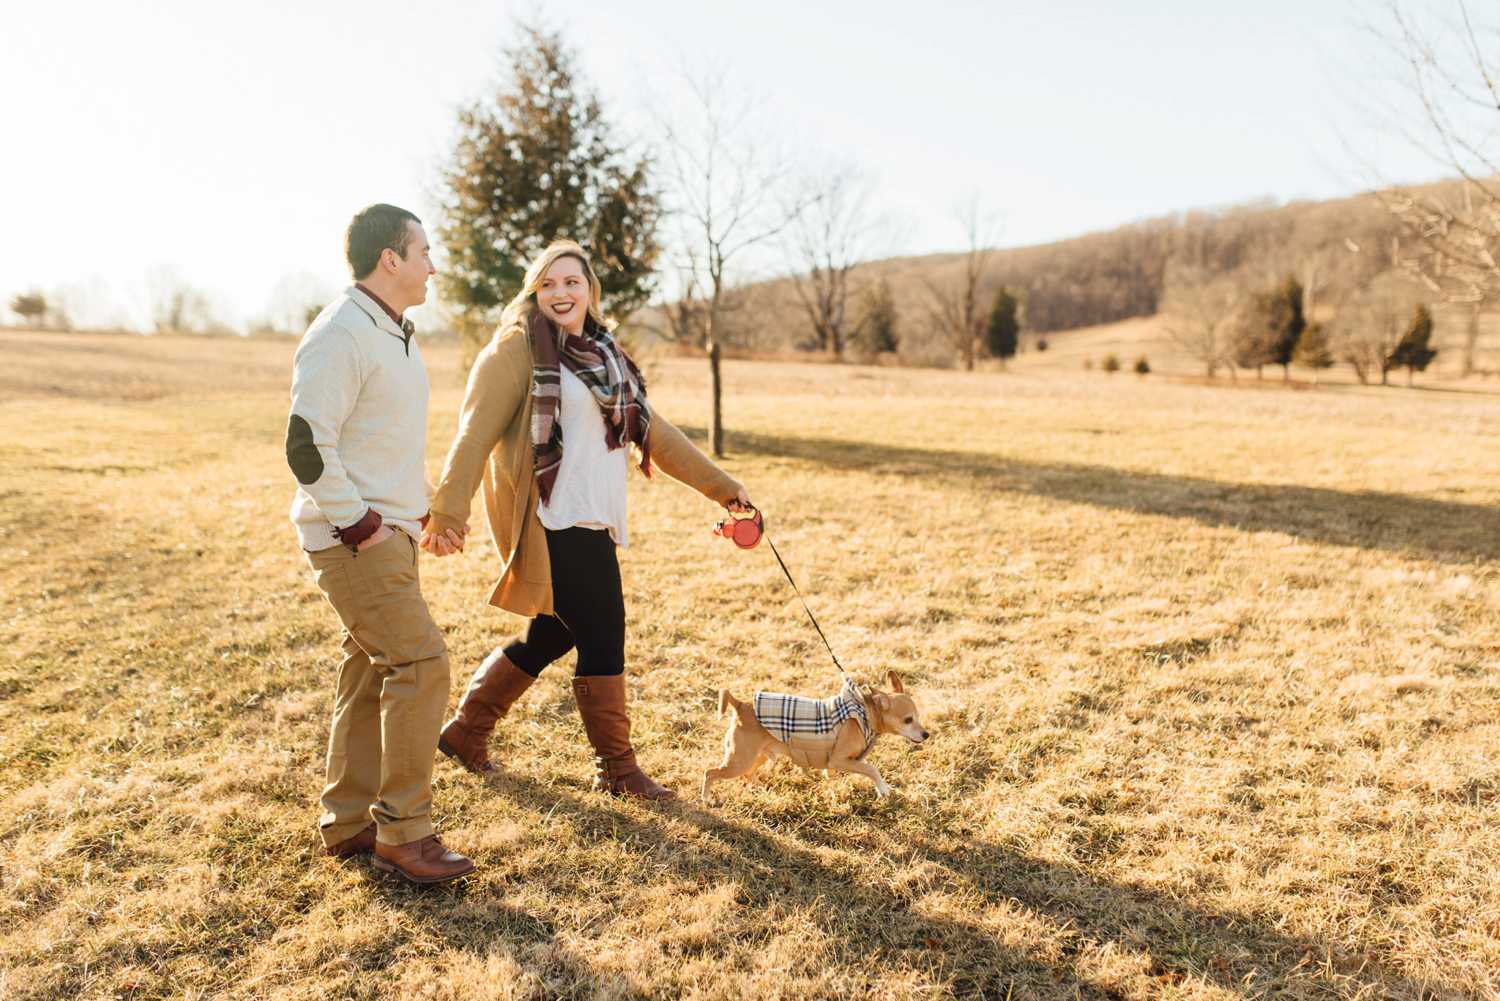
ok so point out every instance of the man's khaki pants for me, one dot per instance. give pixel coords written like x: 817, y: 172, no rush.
x: 392, y: 690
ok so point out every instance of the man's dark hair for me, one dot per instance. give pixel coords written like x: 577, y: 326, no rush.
x: 373, y: 229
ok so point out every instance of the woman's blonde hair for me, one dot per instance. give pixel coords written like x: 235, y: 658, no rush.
x: 518, y: 311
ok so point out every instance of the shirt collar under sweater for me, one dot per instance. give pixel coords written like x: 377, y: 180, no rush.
x: 385, y: 318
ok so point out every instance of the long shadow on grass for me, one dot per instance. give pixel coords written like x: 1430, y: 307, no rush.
x: 880, y: 931
x: 1441, y: 530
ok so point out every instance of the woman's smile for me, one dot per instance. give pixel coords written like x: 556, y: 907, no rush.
x: 563, y: 294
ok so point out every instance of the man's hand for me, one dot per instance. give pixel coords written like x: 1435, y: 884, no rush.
x: 381, y: 534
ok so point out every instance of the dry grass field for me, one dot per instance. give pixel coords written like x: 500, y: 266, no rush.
x: 1211, y: 676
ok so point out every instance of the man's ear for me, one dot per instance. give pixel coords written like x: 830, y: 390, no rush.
x: 894, y: 680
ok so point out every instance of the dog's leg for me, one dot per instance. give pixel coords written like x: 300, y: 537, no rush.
x: 760, y: 759
x: 743, y: 753
x: 864, y: 768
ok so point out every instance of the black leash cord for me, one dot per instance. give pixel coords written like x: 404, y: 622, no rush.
x: 806, y: 609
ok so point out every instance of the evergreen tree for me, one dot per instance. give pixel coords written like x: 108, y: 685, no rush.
x: 1269, y: 327
x: 30, y: 307
x: 533, y: 163
x: 1251, y: 332
x: 1003, y: 333
x: 1313, y: 350
x: 1286, y: 324
x: 877, y: 325
x: 1142, y: 366
x: 1413, y: 350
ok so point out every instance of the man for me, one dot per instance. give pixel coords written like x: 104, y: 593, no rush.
x: 355, y: 441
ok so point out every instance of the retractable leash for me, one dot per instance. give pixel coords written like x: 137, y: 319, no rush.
x: 746, y: 532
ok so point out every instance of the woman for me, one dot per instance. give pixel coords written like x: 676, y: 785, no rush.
x: 551, y: 403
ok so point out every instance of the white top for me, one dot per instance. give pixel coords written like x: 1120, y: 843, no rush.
x: 357, y: 433
x: 590, y: 486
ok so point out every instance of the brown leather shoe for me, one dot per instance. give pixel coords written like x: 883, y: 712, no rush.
x: 422, y: 861
x: 494, y: 687
x: 359, y: 844
x: 601, y: 703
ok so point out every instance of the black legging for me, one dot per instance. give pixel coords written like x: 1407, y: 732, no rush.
x: 588, y: 607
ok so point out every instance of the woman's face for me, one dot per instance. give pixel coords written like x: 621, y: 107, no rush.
x: 564, y: 294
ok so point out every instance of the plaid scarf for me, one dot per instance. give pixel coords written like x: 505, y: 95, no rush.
x: 602, y: 366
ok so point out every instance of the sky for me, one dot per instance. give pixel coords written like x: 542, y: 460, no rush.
x: 227, y: 145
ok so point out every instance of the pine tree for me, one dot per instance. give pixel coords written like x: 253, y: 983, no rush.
x: 877, y: 325
x: 1313, y: 350
x: 30, y: 307
x: 1413, y: 351
x: 1003, y: 333
x: 1287, y: 325
x: 1251, y: 334
x: 533, y: 163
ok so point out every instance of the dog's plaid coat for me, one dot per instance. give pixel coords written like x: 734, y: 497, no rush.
x: 809, y: 727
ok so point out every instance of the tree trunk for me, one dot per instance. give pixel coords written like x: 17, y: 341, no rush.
x: 716, y: 419
x: 1286, y: 374
x: 1471, y: 337
x: 1409, y: 372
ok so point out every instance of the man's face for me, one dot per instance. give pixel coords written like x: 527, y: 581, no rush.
x: 413, y: 271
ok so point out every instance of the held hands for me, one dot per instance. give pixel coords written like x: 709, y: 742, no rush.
x: 445, y: 543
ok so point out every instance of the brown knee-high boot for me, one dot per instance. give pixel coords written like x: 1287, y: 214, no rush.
x: 601, y: 703
x: 494, y: 688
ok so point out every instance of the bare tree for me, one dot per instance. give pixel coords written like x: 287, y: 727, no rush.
x: 175, y: 306
x: 296, y: 300
x: 1371, y: 321
x: 1204, y: 316
x: 1448, y: 106
x: 828, y: 242
x: 727, y: 187
x: 954, y: 302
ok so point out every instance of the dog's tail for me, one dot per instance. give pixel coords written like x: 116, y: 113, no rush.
x: 744, y: 710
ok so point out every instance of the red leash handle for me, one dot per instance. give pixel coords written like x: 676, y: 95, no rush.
x: 744, y: 531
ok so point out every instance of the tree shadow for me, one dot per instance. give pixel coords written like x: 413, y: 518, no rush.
x: 1445, y: 531
x: 884, y: 931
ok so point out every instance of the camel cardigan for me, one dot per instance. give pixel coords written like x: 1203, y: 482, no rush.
x: 493, y: 451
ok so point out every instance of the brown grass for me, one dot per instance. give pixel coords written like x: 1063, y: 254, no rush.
x: 1211, y: 676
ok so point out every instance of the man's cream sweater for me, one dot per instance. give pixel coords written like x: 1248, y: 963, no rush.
x: 357, y: 432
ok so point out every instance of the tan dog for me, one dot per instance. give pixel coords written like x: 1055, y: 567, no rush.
x: 817, y: 735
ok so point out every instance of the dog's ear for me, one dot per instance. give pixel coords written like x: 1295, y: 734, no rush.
x: 882, y: 701
x: 894, y: 680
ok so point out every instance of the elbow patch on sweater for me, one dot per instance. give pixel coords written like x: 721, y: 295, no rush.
x: 301, y: 454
